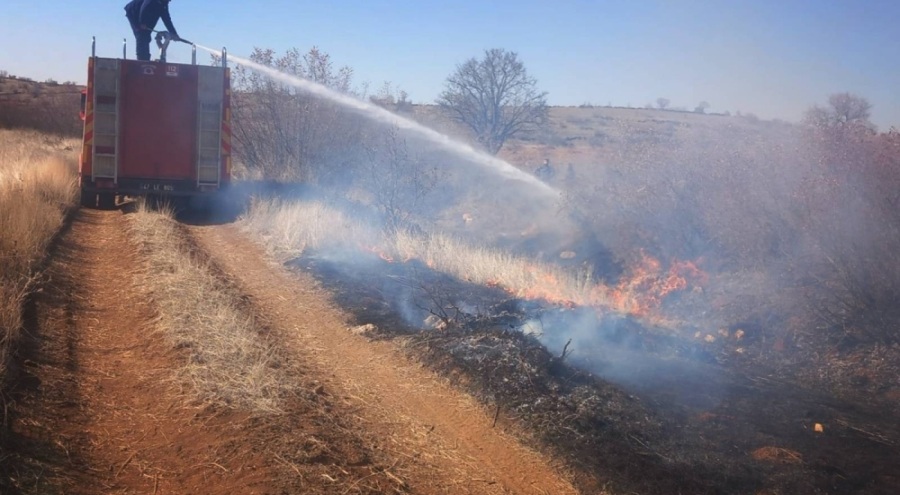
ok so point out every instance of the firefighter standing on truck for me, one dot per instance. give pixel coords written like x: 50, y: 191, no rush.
x: 143, y: 16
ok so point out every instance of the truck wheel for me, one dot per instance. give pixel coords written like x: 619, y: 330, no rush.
x: 88, y: 199
x: 107, y: 201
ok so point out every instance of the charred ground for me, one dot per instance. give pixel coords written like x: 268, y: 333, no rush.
x: 683, y: 421
x: 765, y: 377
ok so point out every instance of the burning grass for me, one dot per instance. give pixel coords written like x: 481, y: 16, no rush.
x: 666, y: 417
x: 37, y: 187
x: 228, y: 359
x: 289, y: 229
x: 594, y: 424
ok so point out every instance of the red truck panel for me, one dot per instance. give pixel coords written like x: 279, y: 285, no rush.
x: 158, y: 140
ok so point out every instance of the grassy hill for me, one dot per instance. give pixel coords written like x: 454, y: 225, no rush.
x: 46, y: 106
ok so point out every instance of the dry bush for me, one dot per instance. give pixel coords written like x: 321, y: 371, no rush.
x: 228, y: 361
x: 284, y: 134
x: 719, y: 193
x: 853, y: 218
x: 37, y: 186
x: 396, y: 179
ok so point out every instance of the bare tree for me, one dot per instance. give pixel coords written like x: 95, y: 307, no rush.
x: 701, y: 107
x: 494, y: 97
x: 662, y: 103
x: 392, y: 98
x: 398, y: 179
x: 845, y: 111
x: 283, y: 133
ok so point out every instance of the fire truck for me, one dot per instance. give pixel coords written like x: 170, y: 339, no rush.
x: 154, y: 128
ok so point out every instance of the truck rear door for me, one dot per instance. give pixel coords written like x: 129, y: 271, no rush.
x: 158, y: 121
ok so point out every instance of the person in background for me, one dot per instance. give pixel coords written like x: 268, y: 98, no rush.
x: 545, y: 171
x: 143, y: 16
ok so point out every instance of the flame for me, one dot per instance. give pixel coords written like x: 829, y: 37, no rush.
x: 643, y: 291
x: 379, y: 252
x: 386, y: 256
x: 640, y: 293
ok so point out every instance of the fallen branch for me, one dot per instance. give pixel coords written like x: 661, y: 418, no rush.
x: 875, y: 437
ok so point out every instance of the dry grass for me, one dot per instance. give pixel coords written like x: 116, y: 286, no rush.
x: 229, y: 360
x: 37, y: 186
x: 288, y: 229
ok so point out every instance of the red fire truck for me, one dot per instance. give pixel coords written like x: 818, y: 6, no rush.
x: 154, y: 128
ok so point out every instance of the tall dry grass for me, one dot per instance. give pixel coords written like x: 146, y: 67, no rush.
x: 289, y: 228
x: 228, y: 362
x: 37, y: 187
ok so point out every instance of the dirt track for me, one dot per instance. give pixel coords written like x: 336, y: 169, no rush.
x: 97, y: 411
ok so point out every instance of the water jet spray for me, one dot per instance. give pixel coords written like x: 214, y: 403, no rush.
x: 374, y: 112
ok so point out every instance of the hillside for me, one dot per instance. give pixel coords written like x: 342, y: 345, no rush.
x: 48, y: 106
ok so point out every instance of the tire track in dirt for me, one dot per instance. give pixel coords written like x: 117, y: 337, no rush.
x: 97, y: 409
x: 442, y: 440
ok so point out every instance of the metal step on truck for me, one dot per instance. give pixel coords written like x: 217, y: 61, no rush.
x: 154, y: 128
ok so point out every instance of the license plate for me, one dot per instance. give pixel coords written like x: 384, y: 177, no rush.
x: 157, y: 187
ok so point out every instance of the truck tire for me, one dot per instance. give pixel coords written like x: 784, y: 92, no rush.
x: 107, y: 201
x: 88, y: 199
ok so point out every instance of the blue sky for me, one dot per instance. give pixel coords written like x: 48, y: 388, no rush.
x: 772, y: 58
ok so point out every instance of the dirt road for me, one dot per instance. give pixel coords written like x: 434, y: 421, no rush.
x: 97, y: 409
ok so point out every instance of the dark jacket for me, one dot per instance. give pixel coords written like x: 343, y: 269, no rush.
x: 147, y: 13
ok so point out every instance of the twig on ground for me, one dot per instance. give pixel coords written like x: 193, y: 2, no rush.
x: 875, y: 437
x: 124, y: 465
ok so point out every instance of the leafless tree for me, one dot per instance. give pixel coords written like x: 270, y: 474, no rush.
x: 398, y: 179
x: 494, y: 97
x: 284, y: 133
x: 701, y: 107
x: 845, y: 111
x: 662, y: 103
x: 392, y: 98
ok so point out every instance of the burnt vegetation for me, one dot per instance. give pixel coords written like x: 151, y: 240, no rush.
x: 793, y: 228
